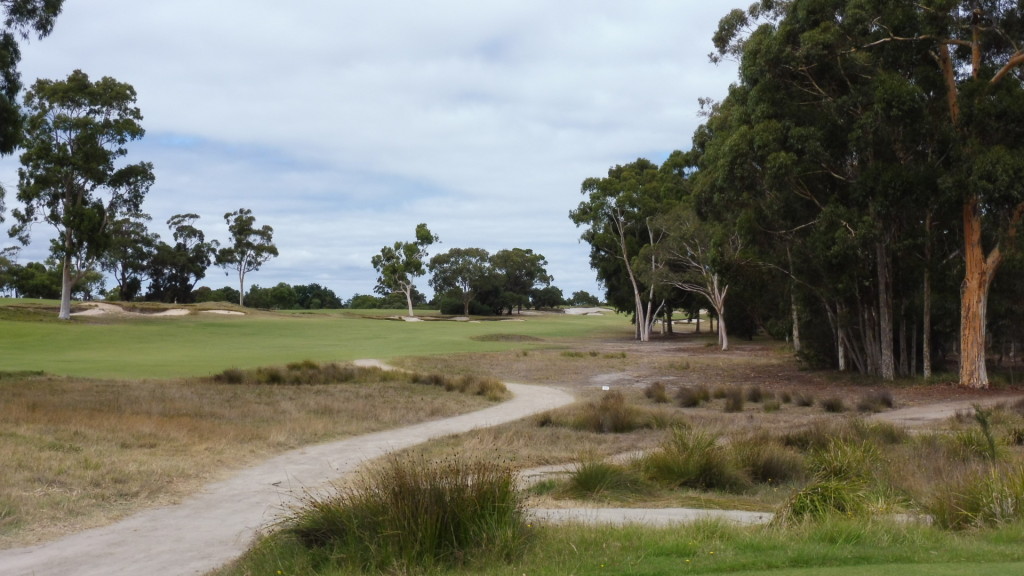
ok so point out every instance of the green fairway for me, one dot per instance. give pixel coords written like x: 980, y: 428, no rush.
x: 204, y: 343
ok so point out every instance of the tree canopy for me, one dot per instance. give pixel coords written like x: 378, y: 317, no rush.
x: 249, y: 248
x: 75, y: 133
x: 399, y: 265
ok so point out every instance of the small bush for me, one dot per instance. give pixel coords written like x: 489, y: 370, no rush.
x: 803, y: 400
x: 230, y: 376
x: 755, y: 394
x: 768, y: 462
x: 734, y: 400
x: 656, y: 392
x: 825, y: 498
x: 612, y: 414
x: 688, y: 397
x: 414, y: 515
x: 876, y: 402
x: 694, y: 459
x: 592, y: 478
x: 785, y: 397
x: 986, y: 497
x: 833, y: 404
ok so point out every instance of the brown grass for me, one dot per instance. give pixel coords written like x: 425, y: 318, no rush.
x: 80, y: 453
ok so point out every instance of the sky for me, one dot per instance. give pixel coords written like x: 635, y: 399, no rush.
x: 344, y: 124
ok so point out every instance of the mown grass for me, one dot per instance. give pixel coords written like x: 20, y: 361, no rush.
x: 202, y: 344
x: 836, y: 547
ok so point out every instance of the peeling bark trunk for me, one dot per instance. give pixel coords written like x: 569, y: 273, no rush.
x: 978, y: 274
x: 926, y: 330
x: 796, y: 321
x: 65, y: 290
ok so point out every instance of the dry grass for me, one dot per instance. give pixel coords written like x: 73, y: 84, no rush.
x: 80, y: 453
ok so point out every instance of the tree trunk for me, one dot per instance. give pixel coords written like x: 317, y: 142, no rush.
x: 796, y: 321
x: 887, y: 369
x: 65, y: 290
x: 978, y: 274
x: 926, y: 331
x: 241, y: 288
x: 408, y: 300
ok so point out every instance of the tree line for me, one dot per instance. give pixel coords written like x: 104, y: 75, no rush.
x: 857, y: 191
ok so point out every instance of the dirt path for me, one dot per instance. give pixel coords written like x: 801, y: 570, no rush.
x: 212, y: 528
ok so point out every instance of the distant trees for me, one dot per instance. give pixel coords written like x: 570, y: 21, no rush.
x: 249, y: 247
x: 175, y: 269
x: 460, y: 273
x: 75, y: 132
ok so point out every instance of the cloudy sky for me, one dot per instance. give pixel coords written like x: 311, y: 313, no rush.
x: 344, y: 124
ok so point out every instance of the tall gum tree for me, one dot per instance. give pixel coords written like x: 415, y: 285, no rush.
x: 400, y: 264
x: 75, y: 133
x: 618, y: 218
x: 249, y: 248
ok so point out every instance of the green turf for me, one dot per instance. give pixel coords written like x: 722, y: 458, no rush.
x: 202, y: 344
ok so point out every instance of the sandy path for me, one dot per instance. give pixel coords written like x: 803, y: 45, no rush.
x: 212, y: 528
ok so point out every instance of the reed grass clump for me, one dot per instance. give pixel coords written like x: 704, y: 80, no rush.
x: 412, y: 515
x: 979, y: 497
x: 592, y: 477
x: 656, y: 392
x: 694, y: 459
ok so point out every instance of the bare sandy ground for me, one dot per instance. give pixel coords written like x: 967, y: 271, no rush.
x: 103, y: 308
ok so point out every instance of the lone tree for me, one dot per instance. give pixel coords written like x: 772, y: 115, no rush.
x: 399, y: 264
x: 75, y: 132
x: 250, y: 247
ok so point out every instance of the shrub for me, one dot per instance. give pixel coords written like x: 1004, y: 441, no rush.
x: 845, y: 460
x: 979, y: 498
x: 415, y: 515
x: 734, y: 400
x: 611, y: 414
x: 230, y: 376
x: 592, y: 477
x: 694, y: 459
x: 755, y: 394
x: 690, y: 397
x: 803, y: 399
x: 833, y: 404
x: 768, y: 462
x: 876, y: 401
x: 825, y: 498
x: 656, y: 391
x: 785, y: 397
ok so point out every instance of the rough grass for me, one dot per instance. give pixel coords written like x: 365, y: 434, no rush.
x: 79, y: 453
x: 412, y: 515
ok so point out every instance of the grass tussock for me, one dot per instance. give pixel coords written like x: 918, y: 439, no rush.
x: 612, y: 413
x: 410, y: 516
x: 694, y: 459
x: 657, y: 392
x: 309, y: 373
x: 595, y: 478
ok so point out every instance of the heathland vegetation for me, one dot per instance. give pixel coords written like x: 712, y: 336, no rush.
x: 681, y: 425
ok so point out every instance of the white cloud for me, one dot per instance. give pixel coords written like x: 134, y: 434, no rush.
x: 343, y: 124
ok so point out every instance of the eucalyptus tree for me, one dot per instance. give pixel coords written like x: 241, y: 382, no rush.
x: 130, y: 254
x: 924, y: 99
x: 20, y: 19
x: 519, y: 271
x: 618, y: 219
x: 249, y: 247
x: 400, y: 264
x: 175, y: 269
x: 460, y: 272
x: 75, y: 134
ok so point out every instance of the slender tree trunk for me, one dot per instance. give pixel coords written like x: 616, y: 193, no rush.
x: 65, y: 289
x: 796, y: 321
x: 926, y: 330
x: 408, y: 299
x: 887, y: 369
x: 904, y: 361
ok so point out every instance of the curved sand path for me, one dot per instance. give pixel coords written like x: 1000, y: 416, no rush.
x: 217, y: 525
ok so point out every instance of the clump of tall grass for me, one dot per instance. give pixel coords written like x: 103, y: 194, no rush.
x: 755, y: 394
x: 843, y: 481
x: 308, y: 372
x: 803, y: 399
x: 833, y: 404
x: 592, y: 477
x: 412, y: 515
x: 694, y: 459
x: 980, y: 497
x: 734, y: 400
x: 691, y: 397
x: 767, y: 461
x: 657, y: 392
x: 877, y: 401
x: 612, y: 414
